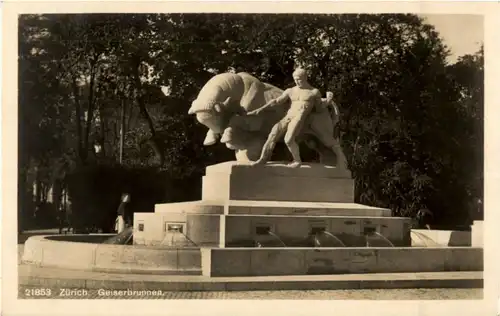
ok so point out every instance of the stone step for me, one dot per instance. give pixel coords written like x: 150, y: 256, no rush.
x: 201, y: 207
x: 63, y: 278
x: 303, y: 208
x: 272, y: 208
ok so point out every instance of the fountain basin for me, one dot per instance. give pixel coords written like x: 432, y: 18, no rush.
x: 88, y: 253
x: 218, y: 262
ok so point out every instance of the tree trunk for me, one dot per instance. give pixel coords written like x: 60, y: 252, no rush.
x: 38, y: 191
x: 45, y: 192
x: 122, y: 130
x: 82, y: 155
x: 102, y: 137
x: 24, y: 200
x: 129, y: 113
x: 90, y: 105
x: 140, y: 102
x: 57, y: 194
x: 153, y: 140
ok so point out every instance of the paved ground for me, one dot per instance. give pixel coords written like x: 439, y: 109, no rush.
x: 28, y: 292
x: 37, y: 282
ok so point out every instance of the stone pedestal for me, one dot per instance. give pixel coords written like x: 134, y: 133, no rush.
x: 272, y: 205
x: 276, y: 182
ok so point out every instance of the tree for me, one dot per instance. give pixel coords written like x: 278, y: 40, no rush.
x: 388, y: 72
x: 468, y: 76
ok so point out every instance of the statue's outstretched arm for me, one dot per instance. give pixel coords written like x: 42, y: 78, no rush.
x: 278, y: 101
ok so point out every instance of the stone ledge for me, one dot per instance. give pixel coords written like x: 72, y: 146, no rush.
x: 253, y: 207
x: 263, y: 207
x: 227, y: 262
x: 43, y: 252
x: 201, y: 207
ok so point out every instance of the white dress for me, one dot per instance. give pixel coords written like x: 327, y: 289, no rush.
x: 119, y: 224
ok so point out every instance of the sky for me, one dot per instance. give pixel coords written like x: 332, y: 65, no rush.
x: 462, y: 33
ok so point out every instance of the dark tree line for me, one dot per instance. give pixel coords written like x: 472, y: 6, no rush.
x: 411, y: 125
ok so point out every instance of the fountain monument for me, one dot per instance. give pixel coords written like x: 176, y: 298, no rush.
x: 259, y: 217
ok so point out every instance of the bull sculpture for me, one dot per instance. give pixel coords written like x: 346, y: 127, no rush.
x: 223, y: 102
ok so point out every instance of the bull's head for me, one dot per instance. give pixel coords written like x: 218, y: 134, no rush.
x: 211, y: 114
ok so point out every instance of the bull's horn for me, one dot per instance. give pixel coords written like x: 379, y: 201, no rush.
x: 210, y: 138
x: 192, y: 110
x: 227, y: 135
x: 226, y: 102
x: 201, y: 105
x: 196, y: 107
x: 217, y: 108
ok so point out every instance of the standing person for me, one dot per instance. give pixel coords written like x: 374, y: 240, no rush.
x: 424, y: 217
x: 304, y: 98
x: 60, y: 217
x: 122, y: 213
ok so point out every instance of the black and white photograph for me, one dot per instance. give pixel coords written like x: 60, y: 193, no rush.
x: 249, y: 156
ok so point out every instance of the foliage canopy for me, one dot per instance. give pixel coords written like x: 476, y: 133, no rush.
x: 411, y: 125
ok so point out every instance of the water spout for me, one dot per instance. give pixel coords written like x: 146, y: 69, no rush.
x: 129, y: 238
x: 260, y: 244
x: 122, y: 238
x: 189, y: 239
x: 181, y: 233
x: 329, y: 235
x: 424, y: 238
x: 379, y: 235
x: 277, y: 237
x: 384, y: 238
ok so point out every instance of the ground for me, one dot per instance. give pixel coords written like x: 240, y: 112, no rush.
x: 382, y: 294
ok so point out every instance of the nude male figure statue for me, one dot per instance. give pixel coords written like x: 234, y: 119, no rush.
x: 304, y: 98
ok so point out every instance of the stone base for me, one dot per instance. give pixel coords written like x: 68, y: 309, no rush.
x: 264, y: 221
x: 271, y: 205
x: 277, y: 182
